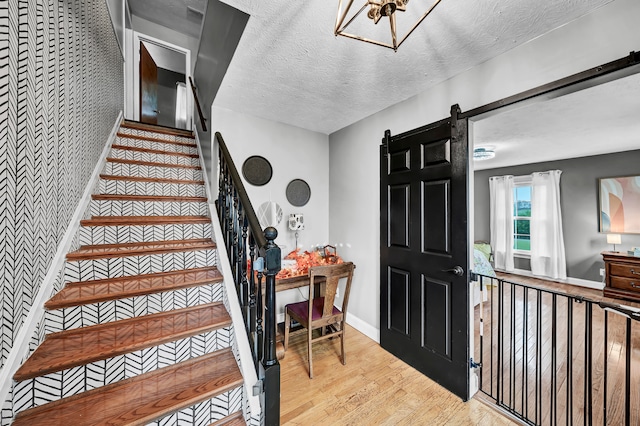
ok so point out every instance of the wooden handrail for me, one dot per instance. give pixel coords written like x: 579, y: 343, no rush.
x: 203, y: 121
x: 254, y: 223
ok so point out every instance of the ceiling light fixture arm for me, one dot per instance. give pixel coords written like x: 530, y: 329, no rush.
x: 377, y: 10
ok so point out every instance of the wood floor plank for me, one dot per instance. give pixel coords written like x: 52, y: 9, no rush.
x: 85, y: 292
x: 143, y: 398
x: 152, y: 163
x: 80, y: 346
x: 158, y: 129
x: 104, y: 251
x: 152, y: 139
x: 373, y: 388
x: 153, y: 151
x: 143, y: 220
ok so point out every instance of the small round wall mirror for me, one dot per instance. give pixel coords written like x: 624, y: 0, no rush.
x: 257, y: 170
x: 298, y: 192
x: 269, y: 214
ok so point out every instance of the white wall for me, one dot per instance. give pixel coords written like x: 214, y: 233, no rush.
x: 605, y: 35
x: 293, y: 153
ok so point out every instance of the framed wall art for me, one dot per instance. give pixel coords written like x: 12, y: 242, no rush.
x: 620, y: 204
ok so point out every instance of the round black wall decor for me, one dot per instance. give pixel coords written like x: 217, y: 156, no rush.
x: 298, y: 192
x: 257, y: 170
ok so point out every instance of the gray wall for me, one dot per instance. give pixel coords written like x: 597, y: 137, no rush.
x: 221, y: 32
x: 579, y: 202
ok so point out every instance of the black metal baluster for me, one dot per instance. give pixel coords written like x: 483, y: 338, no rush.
x: 554, y: 348
x: 248, y: 271
x: 588, y: 361
x: 242, y: 270
x: 606, y: 368
x: 569, y: 404
x: 499, y: 378
x: 538, y: 419
x: 512, y: 344
x: 525, y: 351
x: 492, y: 341
x: 627, y: 384
x: 481, y: 310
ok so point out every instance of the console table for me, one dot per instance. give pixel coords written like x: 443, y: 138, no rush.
x: 622, y: 276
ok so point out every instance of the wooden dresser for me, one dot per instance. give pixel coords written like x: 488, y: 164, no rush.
x: 622, y: 276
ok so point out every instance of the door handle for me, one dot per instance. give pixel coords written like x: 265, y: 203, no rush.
x: 457, y: 270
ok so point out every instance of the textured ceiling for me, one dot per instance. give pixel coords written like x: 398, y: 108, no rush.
x: 184, y: 16
x: 593, y: 121
x: 290, y: 68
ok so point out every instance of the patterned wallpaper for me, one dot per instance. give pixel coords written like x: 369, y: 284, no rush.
x: 61, y: 89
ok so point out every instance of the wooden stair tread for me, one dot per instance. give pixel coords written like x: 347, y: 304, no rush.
x: 85, y: 292
x: 159, y: 140
x: 153, y: 151
x: 235, y: 419
x: 143, y: 220
x: 154, y: 180
x: 80, y: 346
x: 159, y: 198
x: 151, y: 163
x: 158, y: 129
x: 144, y: 398
x: 102, y: 251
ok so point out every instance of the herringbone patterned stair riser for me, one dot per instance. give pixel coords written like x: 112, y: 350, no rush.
x: 125, y: 169
x: 115, y: 310
x: 90, y: 235
x: 152, y: 157
x: 87, y: 270
x: 147, y: 208
x: 61, y: 384
x: 142, y: 143
x: 150, y: 188
x: 163, y: 136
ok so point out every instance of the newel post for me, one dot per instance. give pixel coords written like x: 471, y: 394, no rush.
x: 271, y: 254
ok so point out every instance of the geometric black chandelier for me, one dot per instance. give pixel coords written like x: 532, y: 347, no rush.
x: 363, y: 26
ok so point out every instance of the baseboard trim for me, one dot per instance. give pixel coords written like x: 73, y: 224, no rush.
x: 570, y: 280
x: 364, y: 327
x: 20, y: 346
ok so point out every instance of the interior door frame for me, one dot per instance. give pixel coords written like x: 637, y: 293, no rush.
x: 133, y: 110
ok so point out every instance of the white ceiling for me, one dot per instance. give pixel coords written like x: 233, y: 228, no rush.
x: 290, y: 68
x: 593, y: 121
x: 183, y: 16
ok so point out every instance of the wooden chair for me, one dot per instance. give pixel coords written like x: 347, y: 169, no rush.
x: 321, y: 313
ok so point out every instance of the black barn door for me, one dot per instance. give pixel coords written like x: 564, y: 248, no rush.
x: 424, y: 308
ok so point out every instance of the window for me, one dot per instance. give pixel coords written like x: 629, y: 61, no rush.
x: 522, y: 218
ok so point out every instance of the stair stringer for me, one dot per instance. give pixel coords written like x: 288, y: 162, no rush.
x: 252, y: 408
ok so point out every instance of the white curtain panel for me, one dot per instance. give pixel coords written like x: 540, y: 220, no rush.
x: 501, y: 216
x: 547, y: 242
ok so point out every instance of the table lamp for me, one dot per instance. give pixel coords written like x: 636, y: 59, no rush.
x: 614, y: 239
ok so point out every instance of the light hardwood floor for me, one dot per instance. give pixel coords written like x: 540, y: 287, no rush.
x: 374, y: 388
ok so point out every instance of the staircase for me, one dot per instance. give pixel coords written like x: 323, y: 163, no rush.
x: 141, y: 332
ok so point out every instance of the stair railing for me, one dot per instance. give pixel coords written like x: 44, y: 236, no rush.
x: 254, y: 256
